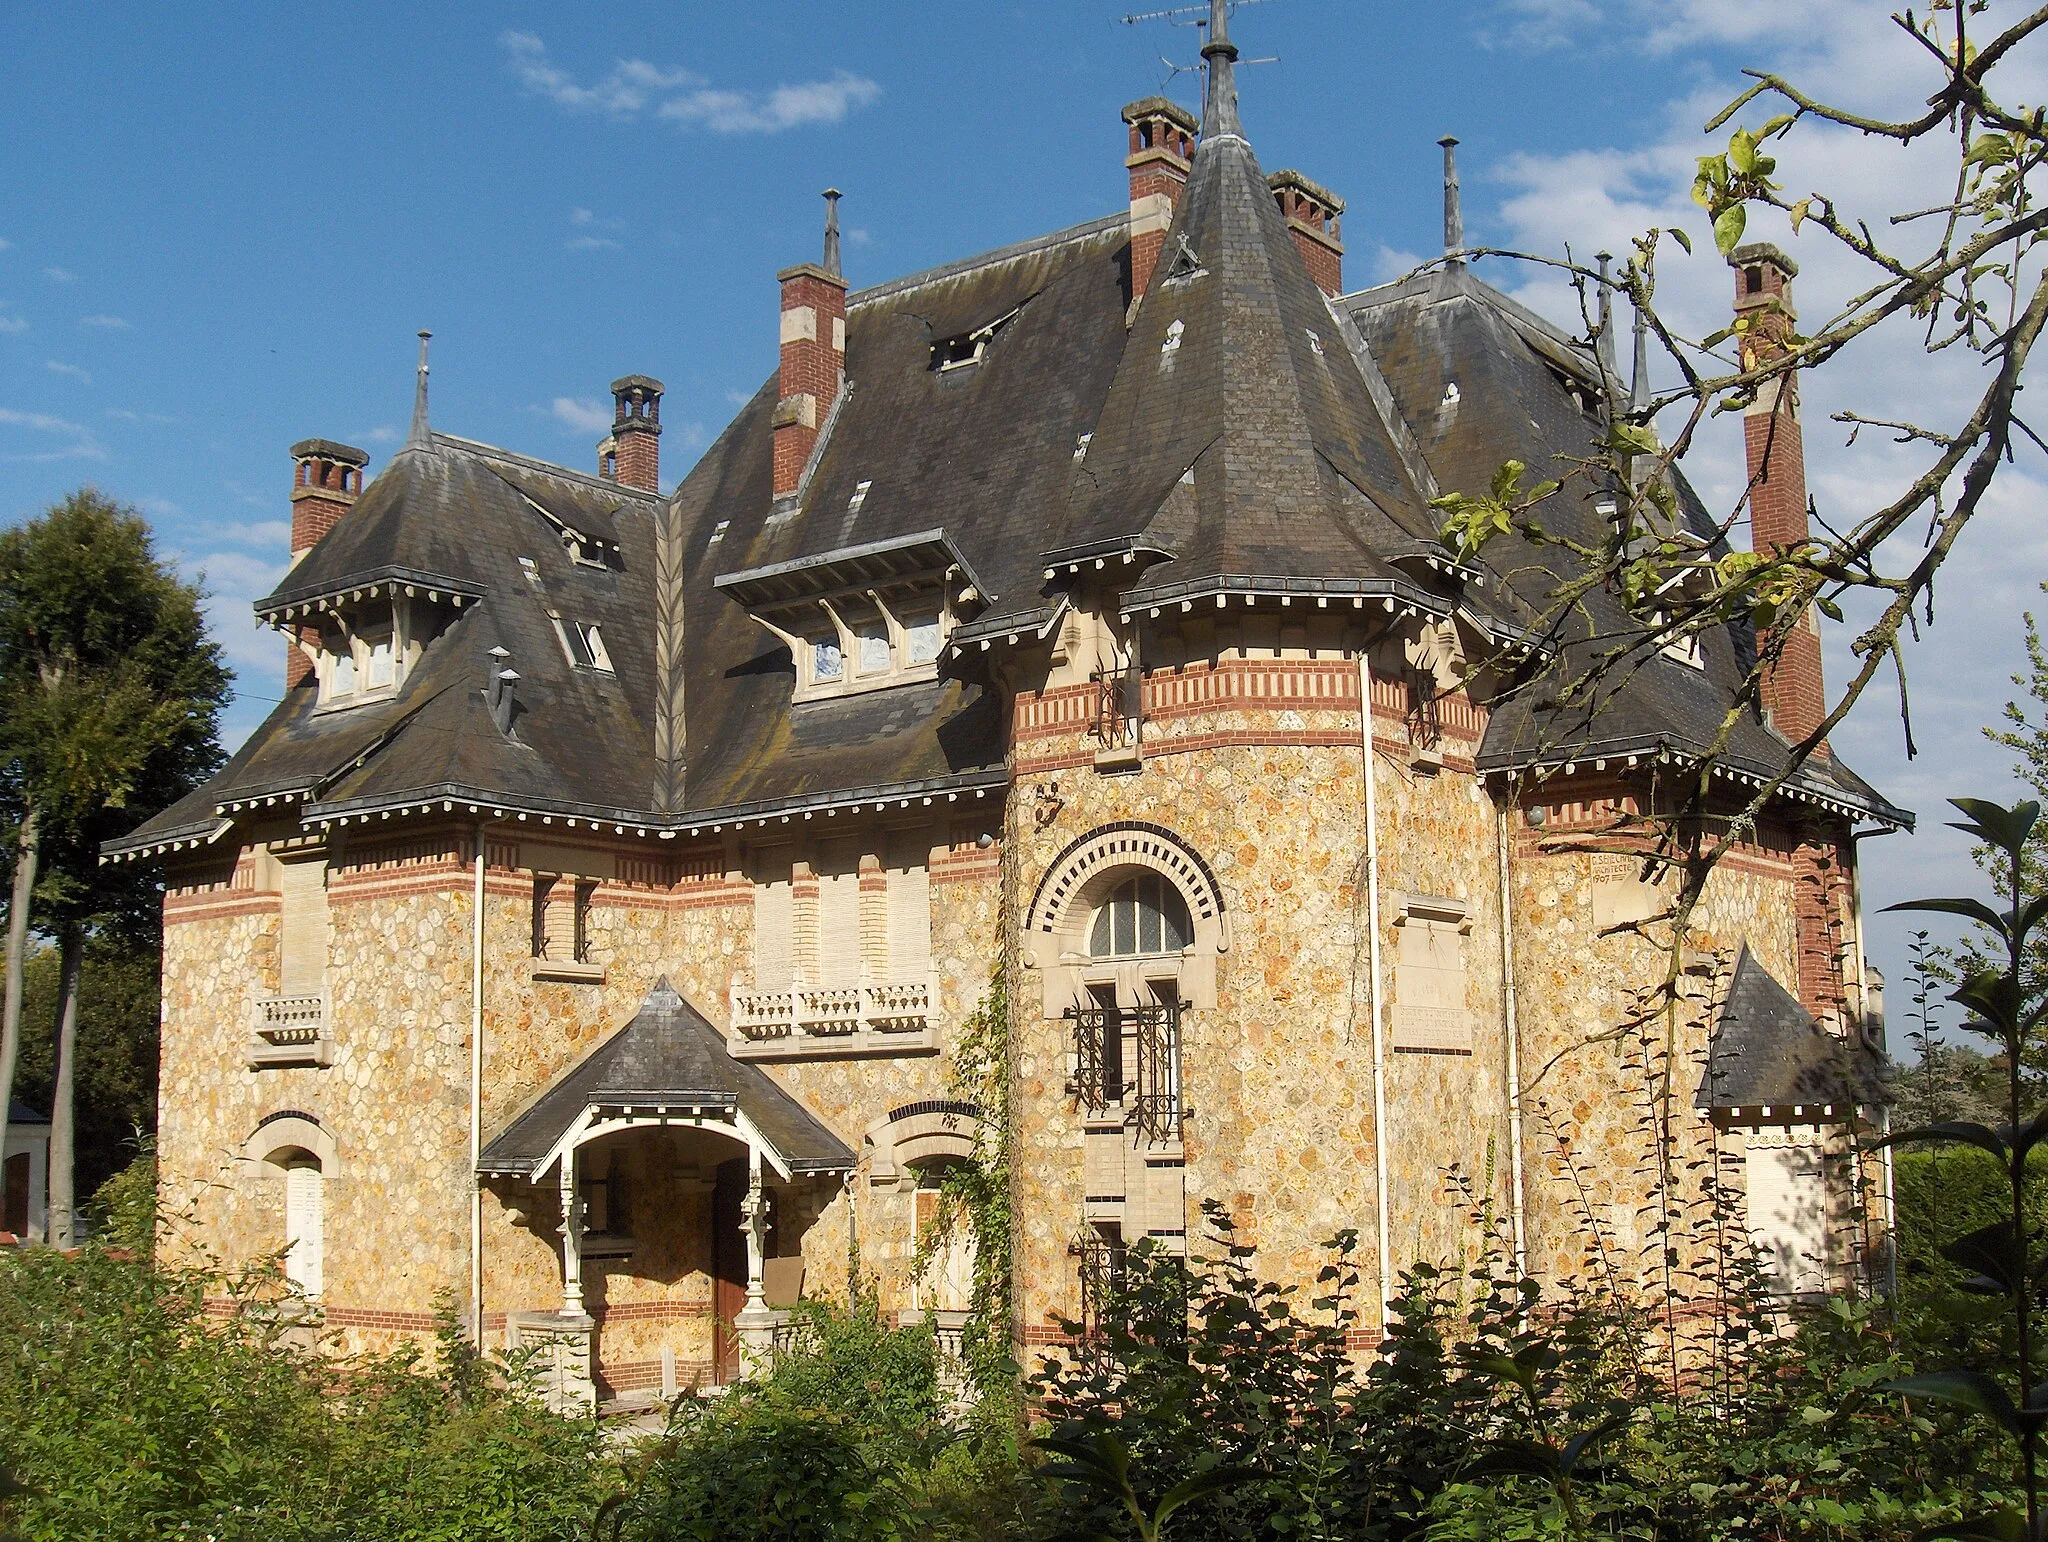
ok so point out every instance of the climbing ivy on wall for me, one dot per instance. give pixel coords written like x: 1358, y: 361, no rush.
x: 978, y: 1191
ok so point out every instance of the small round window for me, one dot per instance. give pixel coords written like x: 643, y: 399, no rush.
x: 1145, y: 914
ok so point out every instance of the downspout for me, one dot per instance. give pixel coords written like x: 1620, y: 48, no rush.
x: 1884, y: 1113
x: 476, y: 1101
x: 1372, y: 922
x: 1507, y: 989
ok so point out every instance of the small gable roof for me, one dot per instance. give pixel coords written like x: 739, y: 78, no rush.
x: 667, y: 1058
x: 1767, y: 1051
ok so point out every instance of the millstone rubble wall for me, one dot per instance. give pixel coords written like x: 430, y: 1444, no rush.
x: 395, y: 1099
x: 1252, y: 762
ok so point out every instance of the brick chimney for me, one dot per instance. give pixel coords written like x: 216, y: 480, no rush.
x: 813, y: 353
x: 326, y: 479
x: 631, y: 454
x: 1162, y: 145
x: 1312, y: 212
x: 1793, y: 692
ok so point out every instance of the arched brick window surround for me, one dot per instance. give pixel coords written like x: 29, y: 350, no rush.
x: 1084, y: 875
x: 288, y: 1130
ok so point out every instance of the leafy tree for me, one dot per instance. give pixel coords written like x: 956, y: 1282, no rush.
x: 110, y: 698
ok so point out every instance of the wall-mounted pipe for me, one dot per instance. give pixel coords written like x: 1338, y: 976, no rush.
x: 1383, y: 1242
x: 1511, y: 1029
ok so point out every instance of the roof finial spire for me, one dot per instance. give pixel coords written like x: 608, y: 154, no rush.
x: 1219, y: 113
x: 1454, y: 210
x: 1639, y: 393
x: 420, y: 437
x: 832, y: 197
x: 1610, y: 372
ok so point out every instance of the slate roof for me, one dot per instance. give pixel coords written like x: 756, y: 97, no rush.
x: 668, y: 1056
x: 1767, y: 1051
x: 1237, y: 427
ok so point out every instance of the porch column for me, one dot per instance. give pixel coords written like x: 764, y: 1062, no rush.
x: 572, y: 1238
x: 755, y: 1323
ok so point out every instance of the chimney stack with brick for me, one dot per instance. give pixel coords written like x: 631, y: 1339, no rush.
x: 1162, y: 146
x: 1312, y: 212
x: 1793, y: 692
x: 813, y: 353
x: 631, y: 453
x: 326, y: 480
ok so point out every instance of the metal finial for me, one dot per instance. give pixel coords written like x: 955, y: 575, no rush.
x: 1639, y: 393
x: 1219, y: 112
x: 1454, y: 210
x: 420, y: 436
x: 832, y: 197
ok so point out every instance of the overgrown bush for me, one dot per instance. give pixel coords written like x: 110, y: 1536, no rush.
x: 131, y: 1411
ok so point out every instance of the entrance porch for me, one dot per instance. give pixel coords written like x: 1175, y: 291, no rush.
x: 682, y: 1182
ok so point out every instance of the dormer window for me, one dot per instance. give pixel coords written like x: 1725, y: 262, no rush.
x: 968, y: 348
x: 342, y: 674
x: 862, y: 618
x: 380, y: 665
x: 585, y: 644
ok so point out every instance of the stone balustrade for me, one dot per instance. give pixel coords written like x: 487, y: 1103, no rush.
x: 888, y: 1018
x: 290, y: 1030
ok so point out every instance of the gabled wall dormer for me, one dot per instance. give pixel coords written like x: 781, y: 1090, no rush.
x: 862, y: 618
x: 363, y: 643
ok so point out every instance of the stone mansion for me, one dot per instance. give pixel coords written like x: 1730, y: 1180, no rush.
x: 587, y: 936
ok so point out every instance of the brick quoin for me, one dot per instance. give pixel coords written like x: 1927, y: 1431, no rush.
x: 327, y: 477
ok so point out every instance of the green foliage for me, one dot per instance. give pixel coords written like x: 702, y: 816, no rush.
x: 979, y: 1191
x: 130, y: 1411
x: 125, y: 1205
x: 116, y: 1071
x: 844, y: 1439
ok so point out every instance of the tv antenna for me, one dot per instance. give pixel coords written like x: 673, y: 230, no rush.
x: 1196, y: 16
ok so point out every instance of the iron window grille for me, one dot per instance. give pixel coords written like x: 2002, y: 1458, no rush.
x: 1425, y: 714
x: 1150, y: 1097
x: 1118, y: 706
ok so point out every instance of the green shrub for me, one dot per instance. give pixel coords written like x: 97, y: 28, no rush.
x: 130, y: 1412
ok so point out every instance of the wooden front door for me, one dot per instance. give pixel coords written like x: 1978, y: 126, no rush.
x: 728, y: 1269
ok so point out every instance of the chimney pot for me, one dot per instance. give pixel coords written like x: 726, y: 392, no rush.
x: 1162, y: 141
x: 634, y: 457
x: 327, y: 478
x: 1312, y: 213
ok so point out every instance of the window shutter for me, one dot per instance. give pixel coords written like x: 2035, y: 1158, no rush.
x: 302, y: 954
x: 304, y: 1225
x: 774, y: 919
x: 839, y: 916
x: 910, y: 908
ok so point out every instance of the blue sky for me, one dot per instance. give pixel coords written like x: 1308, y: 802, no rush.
x: 222, y: 225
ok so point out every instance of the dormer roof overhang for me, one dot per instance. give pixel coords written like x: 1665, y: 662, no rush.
x: 289, y: 603
x: 1124, y: 550
x: 926, y: 556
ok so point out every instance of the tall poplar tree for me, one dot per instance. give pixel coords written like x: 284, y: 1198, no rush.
x: 110, y: 700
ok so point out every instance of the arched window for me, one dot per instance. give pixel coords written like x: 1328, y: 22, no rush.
x: 304, y: 1221
x: 1144, y: 915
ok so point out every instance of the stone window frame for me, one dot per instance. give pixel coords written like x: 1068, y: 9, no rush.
x: 1075, y: 885
x: 276, y: 1138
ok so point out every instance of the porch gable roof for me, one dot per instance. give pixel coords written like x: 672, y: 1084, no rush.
x: 668, y: 1061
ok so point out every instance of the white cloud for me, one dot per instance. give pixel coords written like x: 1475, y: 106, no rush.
x: 60, y: 275
x: 56, y: 368
x: 104, y: 323
x: 127, y: 416
x: 6, y: 245
x: 585, y: 417
x: 383, y: 433
x: 684, y: 96
x: 590, y: 243
x: 1601, y: 196
x: 13, y: 323
x: 83, y: 445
